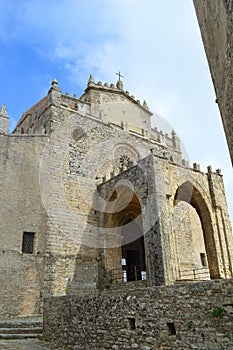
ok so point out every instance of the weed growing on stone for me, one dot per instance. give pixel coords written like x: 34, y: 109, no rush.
x: 218, y: 312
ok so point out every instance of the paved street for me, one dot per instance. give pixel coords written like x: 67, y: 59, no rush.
x: 27, y: 344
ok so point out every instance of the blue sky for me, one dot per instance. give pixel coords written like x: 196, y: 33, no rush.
x: 155, y: 44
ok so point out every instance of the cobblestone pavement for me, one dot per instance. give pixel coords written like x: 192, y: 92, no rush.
x: 27, y: 344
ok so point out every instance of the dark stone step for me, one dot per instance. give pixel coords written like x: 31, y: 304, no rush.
x: 21, y: 330
x: 19, y: 336
x: 22, y: 323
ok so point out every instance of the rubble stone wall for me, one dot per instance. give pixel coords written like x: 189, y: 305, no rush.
x: 187, y: 316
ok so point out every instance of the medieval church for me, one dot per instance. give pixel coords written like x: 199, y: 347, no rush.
x: 93, y: 198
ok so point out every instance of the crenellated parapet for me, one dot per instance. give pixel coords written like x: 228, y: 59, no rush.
x: 112, y: 88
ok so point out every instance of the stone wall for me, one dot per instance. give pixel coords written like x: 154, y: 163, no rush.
x: 21, y: 210
x: 191, y: 251
x: 187, y: 316
x: 216, y: 25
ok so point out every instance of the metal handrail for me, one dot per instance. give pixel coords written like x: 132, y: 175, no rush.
x: 126, y: 274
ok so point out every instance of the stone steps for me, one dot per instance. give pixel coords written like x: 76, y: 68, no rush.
x: 129, y: 286
x: 115, y: 288
x: 191, y: 280
x: 21, y: 328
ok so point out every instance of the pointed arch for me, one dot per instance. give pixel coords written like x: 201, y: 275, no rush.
x: 124, y: 213
x: 189, y: 193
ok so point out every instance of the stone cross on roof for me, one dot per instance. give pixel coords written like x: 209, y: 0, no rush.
x: 119, y: 75
x: 119, y: 82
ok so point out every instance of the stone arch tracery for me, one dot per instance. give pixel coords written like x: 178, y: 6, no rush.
x: 125, y: 156
x: 121, y: 157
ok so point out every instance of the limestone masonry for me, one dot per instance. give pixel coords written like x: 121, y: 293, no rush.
x: 93, y: 199
x: 215, y: 19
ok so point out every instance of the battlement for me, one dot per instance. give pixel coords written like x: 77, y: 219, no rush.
x: 98, y: 101
x: 107, y: 103
x: 112, y: 88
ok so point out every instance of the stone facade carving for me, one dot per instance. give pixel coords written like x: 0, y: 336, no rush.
x: 125, y: 157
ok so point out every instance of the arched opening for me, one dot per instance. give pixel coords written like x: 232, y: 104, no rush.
x: 190, y: 245
x: 196, y: 250
x: 124, y: 215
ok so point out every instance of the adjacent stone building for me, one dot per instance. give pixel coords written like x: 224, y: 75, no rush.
x: 215, y: 19
x: 93, y: 197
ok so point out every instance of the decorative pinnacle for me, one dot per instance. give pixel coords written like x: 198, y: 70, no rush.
x: 55, y: 85
x: 173, y: 133
x: 54, y: 82
x: 91, y: 80
x: 119, y: 85
x: 145, y: 104
x: 3, y: 111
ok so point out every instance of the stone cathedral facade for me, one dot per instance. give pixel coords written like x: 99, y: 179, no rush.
x: 94, y: 197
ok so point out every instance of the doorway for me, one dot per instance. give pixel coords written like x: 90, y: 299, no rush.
x: 133, y: 252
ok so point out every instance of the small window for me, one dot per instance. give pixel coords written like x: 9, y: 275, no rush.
x: 171, y: 328
x: 132, y: 323
x: 28, y: 242
x: 203, y: 259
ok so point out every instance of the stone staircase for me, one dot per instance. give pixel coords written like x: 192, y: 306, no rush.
x: 21, y: 328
